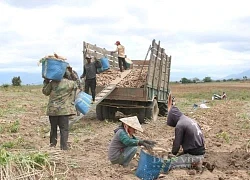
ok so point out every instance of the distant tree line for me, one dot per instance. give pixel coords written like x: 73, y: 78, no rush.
x: 195, y: 80
x: 185, y: 80
x: 16, y: 81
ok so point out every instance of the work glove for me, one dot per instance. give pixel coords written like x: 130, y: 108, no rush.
x: 150, y: 142
x: 149, y: 147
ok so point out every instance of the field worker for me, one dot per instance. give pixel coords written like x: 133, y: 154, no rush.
x: 74, y: 76
x: 224, y: 96
x: 124, y: 144
x: 188, y: 134
x: 60, y: 107
x: 89, y: 73
x: 121, y: 55
x: 219, y: 97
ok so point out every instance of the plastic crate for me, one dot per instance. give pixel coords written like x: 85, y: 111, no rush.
x: 150, y: 167
x: 53, y: 69
x: 83, y: 102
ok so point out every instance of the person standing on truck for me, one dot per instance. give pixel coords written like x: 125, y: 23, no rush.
x: 60, y: 107
x: 124, y: 144
x: 89, y: 73
x: 121, y: 55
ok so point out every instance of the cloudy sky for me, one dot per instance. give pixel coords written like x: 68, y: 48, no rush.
x: 204, y: 37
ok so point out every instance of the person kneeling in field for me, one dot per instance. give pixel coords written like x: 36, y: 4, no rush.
x: 124, y: 144
x: 188, y: 134
x: 60, y: 107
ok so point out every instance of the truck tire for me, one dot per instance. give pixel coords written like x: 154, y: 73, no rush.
x: 111, y: 113
x: 105, y: 112
x: 99, y: 114
x: 163, y: 109
x: 108, y: 112
x: 153, y: 111
x: 141, y: 115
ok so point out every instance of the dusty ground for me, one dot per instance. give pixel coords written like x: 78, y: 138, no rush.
x: 226, y: 126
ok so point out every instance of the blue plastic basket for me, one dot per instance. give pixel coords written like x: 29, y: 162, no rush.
x: 105, y: 64
x: 82, y: 102
x: 86, y: 97
x: 53, y: 69
x: 150, y: 167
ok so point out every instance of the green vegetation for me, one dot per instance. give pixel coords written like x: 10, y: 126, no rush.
x: 16, y: 143
x: 185, y: 80
x: 19, y: 164
x: 12, y: 127
x: 241, y: 94
x: 16, y: 81
x: 223, y: 135
x: 11, y: 108
x: 5, y: 85
x: 244, y: 122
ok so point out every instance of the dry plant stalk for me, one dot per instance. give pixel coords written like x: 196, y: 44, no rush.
x: 18, y: 165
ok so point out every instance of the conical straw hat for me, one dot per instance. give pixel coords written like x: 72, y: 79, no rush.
x: 132, y: 122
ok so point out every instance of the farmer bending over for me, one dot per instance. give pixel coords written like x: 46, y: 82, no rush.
x: 188, y: 134
x: 124, y: 144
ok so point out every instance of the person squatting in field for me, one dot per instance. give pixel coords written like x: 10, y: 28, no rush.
x: 188, y: 134
x: 124, y: 144
x: 60, y: 107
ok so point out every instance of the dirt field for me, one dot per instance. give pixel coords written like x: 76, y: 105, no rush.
x: 226, y: 125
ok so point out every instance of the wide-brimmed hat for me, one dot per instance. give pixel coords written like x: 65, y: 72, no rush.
x: 132, y: 122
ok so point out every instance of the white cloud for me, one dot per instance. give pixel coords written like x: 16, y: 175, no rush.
x: 200, y: 35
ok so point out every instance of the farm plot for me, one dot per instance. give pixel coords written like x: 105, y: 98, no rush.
x: 226, y: 124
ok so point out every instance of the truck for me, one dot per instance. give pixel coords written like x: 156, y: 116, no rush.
x: 146, y: 101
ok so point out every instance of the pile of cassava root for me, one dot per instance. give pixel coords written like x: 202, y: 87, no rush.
x: 133, y: 79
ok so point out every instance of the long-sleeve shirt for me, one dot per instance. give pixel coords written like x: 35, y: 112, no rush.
x: 60, y: 97
x: 120, y: 141
x: 90, y: 69
x: 188, y: 133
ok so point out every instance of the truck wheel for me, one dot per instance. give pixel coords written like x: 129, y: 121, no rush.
x: 99, y: 114
x: 141, y: 115
x: 105, y: 112
x: 111, y: 113
x: 153, y: 111
x: 163, y: 109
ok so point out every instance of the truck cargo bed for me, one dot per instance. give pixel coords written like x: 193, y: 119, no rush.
x: 150, y: 81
